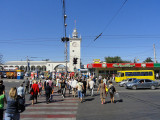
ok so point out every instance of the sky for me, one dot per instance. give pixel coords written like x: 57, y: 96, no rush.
x: 34, y: 28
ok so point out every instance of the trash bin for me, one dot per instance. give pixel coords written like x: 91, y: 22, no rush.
x: 19, y: 74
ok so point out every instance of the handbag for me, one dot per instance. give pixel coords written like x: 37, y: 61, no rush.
x: 106, y: 89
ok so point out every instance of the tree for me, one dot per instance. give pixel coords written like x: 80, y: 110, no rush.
x: 149, y: 59
x: 115, y: 59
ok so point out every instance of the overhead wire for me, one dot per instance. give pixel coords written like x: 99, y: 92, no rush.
x: 111, y: 20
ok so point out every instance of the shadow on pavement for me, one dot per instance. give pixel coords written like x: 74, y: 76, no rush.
x: 88, y: 99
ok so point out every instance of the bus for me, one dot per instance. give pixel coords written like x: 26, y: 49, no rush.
x: 138, y: 74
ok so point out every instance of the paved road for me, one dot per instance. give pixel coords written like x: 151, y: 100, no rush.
x: 136, y: 105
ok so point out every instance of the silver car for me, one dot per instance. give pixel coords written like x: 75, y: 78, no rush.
x: 142, y: 83
x: 124, y: 82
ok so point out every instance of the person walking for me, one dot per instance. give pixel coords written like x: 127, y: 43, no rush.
x: 85, y: 87
x: 111, y: 90
x: 26, y: 86
x: 63, y: 88
x: 34, y: 92
x: 30, y: 83
x: 40, y: 87
x: 48, y: 91
x: 91, y: 84
x: 12, y: 105
x: 2, y: 100
x: 74, y: 87
x: 101, y: 87
x: 2, y: 88
x: 69, y: 82
x: 80, y: 87
x: 20, y: 91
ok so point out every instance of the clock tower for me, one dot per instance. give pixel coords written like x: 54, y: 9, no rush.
x: 75, y: 51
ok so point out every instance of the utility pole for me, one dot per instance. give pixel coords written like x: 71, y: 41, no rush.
x: 27, y: 65
x: 155, y: 61
x: 65, y: 38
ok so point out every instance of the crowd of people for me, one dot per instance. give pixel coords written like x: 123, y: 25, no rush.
x: 77, y: 86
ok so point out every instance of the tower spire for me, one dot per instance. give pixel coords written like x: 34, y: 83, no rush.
x: 75, y: 33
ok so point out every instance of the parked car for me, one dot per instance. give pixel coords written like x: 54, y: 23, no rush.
x: 124, y: 82
x: 142, y: 83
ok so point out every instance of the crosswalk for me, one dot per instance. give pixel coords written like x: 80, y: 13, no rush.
x: 58, y: 109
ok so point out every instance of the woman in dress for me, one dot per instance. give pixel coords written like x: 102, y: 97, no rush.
x: 102, y: 87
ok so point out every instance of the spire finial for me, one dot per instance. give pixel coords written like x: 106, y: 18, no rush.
x: 75, y: 24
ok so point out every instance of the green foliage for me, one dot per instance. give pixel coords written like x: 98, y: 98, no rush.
x: 149, y: 59
x: 115, y: 59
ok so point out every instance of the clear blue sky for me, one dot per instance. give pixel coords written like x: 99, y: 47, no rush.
x: 34, y: 28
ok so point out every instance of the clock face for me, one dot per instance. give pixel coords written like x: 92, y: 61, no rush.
x: 74, y: 44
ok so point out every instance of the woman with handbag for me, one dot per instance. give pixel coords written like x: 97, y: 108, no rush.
x: 34, y: 92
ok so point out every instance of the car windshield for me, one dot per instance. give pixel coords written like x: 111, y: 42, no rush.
x: 135, y: 81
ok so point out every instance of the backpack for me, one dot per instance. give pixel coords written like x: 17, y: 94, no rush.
x: 21, y: 104
x: 113, y: 89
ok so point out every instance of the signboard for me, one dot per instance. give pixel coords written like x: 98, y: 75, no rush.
x: 123, y: 65
x: 96, y: 61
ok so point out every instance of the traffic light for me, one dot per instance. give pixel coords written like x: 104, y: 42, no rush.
x: 75, y: 60
x: 64, y: 39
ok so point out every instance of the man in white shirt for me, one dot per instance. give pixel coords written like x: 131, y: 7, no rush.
x: 91, y: 84
x: 104, y: 81
x: 74, y: 87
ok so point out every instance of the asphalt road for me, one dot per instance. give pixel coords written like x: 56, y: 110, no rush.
x: 141, y: 104
x: 137, y: 105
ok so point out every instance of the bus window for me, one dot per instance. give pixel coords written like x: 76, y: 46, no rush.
x: 129, y: 74
x: 122, y: 74
x: 118, y: 74
x: 146, y: 73
x: 150, y: 74
x: 142, y: 74
x: 138, y: 74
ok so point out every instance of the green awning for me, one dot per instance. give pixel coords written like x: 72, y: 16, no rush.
x: 156, y: 64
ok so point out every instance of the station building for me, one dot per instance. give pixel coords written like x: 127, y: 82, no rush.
x: 41, y: 66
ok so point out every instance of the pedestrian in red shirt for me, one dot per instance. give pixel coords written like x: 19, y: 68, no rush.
x: 34, y: 92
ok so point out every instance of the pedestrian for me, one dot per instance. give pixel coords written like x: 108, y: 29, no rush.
x: 69, y: 85
x: 20, y: 91
x: 2, y: 100
x: 101, y: 87
x: 80, y: 87
x: 50, y: 83
x: 91, y: 84
x: 74, y: 87
x: 48, y: 91
x: 30, y: 83
x: 111, y: 90
x: 34, y: 92
x: 26, y: 86
x: 63, y: 88
x: 2, y: 88
x: 104, y: 80
x: 12, y: 105
x: 40, y: 87
x: 85, y: 87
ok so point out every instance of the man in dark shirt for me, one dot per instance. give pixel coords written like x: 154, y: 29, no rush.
x: 48, y: 91
x: 26, y: 86
x: 2, y: 87
x: 63, y: 88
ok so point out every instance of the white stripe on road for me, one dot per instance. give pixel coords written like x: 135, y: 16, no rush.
x: 28, y: 108
x: 49, y: 112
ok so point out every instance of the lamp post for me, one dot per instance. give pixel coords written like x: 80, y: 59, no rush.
x: 65, y: 39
